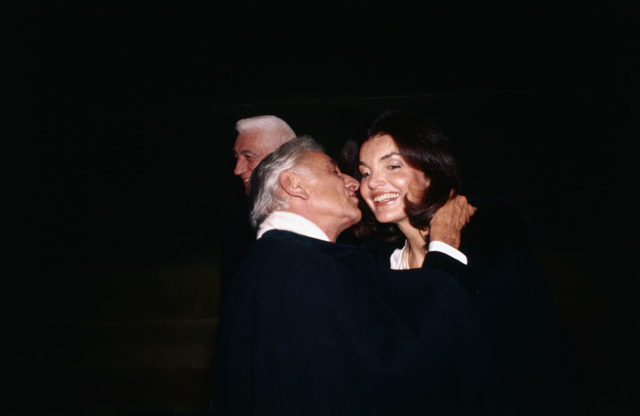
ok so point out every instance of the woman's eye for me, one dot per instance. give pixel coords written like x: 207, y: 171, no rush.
x: 364, y: 174
x: 394, y: 167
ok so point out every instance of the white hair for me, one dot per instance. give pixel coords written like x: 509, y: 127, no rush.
x: 263, y: 188
x: 279, y: 130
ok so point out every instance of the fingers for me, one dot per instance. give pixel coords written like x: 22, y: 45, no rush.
x: 449, y: 220
x: 464, y: 208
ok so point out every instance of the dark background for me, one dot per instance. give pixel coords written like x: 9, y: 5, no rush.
x: 126, y: 112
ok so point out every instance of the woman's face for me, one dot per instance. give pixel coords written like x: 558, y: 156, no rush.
x: 387, y: 178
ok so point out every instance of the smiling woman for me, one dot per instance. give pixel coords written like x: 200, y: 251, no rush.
x: 407, y: 174
x: 387, y: 180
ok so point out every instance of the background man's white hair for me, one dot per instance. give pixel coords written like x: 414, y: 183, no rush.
x: 263, y: 191
x: 279, y: 130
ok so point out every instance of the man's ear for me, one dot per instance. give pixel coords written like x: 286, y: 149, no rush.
x: 293, y: 185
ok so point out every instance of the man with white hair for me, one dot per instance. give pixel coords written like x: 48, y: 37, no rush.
x: 257, y: 137
x: 312, y: 326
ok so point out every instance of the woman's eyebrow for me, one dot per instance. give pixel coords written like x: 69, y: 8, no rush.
x: 387, y: 156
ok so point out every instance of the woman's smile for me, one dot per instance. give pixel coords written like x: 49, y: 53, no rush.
x: 386, y: 198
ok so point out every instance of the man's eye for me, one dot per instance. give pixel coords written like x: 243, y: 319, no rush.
x: 364, y: 174
x: 394, y: 167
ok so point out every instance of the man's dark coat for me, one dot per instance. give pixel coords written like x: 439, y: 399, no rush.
x: 511, y: 299
x: 313, y: 327
x: 518, y: 312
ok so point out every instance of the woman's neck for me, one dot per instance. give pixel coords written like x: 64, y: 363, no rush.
x: 415, y: 244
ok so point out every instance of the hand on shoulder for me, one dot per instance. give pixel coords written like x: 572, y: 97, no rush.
x: 448, y: 221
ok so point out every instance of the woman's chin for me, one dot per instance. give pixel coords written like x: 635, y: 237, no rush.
x: 386, y: 219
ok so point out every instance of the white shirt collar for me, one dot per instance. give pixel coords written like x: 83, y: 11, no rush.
x: 399, y: 259
x: 288, y: 221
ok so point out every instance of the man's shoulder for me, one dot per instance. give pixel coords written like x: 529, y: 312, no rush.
x: 285, y: 265
x: 278, y: 240
x: 277, y: 248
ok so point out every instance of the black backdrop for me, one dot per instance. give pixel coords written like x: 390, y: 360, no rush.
x: 125, y: 169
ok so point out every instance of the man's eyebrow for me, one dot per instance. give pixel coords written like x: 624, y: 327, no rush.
x: 387, y: 156
x: 332, y: 163
x: 245, y: 152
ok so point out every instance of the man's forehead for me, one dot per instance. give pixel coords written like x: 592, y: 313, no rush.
x: 256, y: 141
x: 317, y: 161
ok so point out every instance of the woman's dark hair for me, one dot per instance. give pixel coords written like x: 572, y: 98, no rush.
x: 425, y: 149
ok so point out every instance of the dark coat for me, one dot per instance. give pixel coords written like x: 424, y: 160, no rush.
x: 519, y: 314
x: 238, y: 236
x: 312, y: 327
x: 511, y: 299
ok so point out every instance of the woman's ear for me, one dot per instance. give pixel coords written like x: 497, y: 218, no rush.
x: 293, y: 185
x: 427, y: 183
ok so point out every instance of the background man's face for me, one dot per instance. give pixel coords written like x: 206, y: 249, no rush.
x: 249, y: 149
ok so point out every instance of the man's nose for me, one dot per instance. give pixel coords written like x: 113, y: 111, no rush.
x: 241, y: 166
x: 350, y: 183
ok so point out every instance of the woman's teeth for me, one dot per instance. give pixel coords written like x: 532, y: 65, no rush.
x: 386, y: 197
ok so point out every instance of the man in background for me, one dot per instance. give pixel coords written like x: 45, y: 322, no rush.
x: 257, y: 137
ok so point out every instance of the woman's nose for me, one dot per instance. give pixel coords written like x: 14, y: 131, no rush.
x: 374, y: 181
